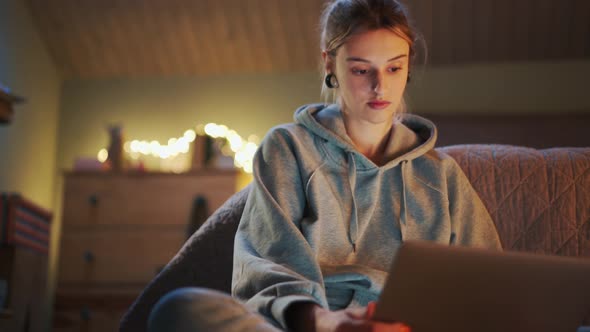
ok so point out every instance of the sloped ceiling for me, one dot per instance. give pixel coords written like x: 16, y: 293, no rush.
x: 138, y: 38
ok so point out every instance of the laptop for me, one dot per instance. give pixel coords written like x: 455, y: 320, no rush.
x: 433, y: 288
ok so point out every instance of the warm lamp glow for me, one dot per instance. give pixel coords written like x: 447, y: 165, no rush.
x: 102, y: 156
x: 243, y: 150
x: 190, y: 135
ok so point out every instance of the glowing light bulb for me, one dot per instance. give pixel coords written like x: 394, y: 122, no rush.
x: 235, y: 141
x: 103, y: 155
x: 242, y: 150
x: 184, y: 148
x: 223, y: 131
x: 163, y: 154
x: 251, y: 148
x: 241, y: 157
x: 248, y: 168
x: 210, y: 129
x: 144, y: 148
x: 134, y: 146
x: 190, y: 135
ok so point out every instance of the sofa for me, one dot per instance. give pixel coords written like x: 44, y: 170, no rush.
x: 538, y: 199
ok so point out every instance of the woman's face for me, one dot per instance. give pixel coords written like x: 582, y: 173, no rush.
x: 372, y: 70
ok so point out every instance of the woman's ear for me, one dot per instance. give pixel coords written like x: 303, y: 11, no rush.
x: 328, y: 62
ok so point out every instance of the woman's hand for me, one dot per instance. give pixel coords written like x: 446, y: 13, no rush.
x: 352, y: 320
x: 311, y: 317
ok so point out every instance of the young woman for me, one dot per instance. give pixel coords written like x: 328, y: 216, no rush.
x: 337, y: 192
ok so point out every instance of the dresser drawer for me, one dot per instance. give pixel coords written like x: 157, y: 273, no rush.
x: 90, y: 311
x: 119, y: 255
x: 85, y: 319
x: 148, y: 199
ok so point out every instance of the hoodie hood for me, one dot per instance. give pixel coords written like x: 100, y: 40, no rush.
x: 412, y: 136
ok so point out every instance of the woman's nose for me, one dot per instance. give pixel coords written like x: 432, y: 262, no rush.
x: 378, y: 83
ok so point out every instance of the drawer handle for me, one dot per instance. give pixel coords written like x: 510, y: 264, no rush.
x: 88, y: 256
x: 93, y: 199
x: 85, y: 314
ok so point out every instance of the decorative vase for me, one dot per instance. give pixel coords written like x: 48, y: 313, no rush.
x: 115, y: 150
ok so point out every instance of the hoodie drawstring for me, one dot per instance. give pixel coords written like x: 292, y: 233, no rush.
x: 403, y: 204
x: 353, y: 226
x: 354, y: 213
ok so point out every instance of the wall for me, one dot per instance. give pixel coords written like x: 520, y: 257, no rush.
x: 157, y: 109
x: 251, y: 104
x: 28, y: 146
x: 509, y: 87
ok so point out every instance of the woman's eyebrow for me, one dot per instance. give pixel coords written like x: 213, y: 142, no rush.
x: 353, y: 58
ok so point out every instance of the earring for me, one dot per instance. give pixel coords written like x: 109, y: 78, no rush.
x: 331, y: 81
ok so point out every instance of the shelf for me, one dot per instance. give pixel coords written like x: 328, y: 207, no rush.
x: 133, y: 173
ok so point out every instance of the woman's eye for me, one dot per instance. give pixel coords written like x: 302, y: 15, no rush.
x: 359, y: 71
x: 394, y: 69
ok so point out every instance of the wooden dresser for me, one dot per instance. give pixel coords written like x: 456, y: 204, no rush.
x: 24, y: 242
x: 118, y: 231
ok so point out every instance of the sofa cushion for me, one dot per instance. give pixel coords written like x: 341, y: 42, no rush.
x: 539, y: 199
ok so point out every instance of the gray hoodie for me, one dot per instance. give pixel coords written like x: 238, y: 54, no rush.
x: 323, y: 223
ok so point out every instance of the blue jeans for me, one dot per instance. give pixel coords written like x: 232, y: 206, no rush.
x: 200, y: 309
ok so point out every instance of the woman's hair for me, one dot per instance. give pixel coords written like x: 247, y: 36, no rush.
x: 343, y: 18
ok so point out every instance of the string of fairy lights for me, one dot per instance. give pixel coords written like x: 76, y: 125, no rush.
x: 241, y: 149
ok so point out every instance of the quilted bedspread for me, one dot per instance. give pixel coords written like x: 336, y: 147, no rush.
x: 539, y: 199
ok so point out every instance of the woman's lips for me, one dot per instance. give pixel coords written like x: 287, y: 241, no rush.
x: 378, y: 104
